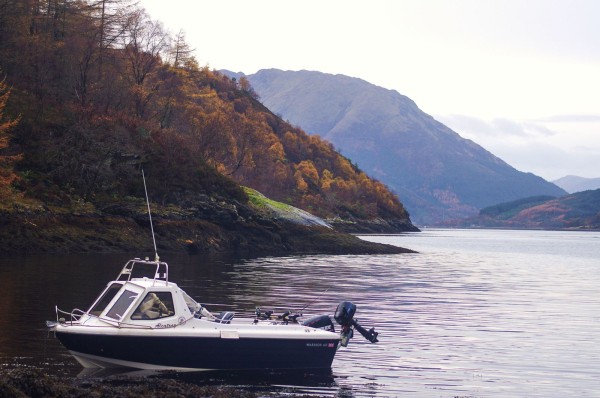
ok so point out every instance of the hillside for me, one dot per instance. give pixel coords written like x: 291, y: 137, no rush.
x: 94, y: 95
x: 437, y: 174
x: 573, y: 184
x: 580, y: 210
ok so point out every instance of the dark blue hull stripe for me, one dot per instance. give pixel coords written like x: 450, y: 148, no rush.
x: 206, y: 353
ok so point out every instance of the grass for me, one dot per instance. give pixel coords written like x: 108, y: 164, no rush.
x: 262, y: 202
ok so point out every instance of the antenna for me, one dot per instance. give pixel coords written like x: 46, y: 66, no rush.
x: 150, y: 216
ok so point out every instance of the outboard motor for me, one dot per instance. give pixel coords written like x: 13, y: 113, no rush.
x: 344, y: 315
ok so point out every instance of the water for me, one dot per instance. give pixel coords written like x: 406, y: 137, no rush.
x: 476, y: 313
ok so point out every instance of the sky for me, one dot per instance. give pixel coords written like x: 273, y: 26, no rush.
x: 520, y: 78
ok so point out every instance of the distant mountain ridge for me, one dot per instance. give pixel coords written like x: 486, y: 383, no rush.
x: 580, y: 211
x: 573, y: 184
x: 436, y: 173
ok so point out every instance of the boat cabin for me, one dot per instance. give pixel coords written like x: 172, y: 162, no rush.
x: 135, y: 300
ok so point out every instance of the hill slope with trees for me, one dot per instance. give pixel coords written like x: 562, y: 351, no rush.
x: 99, y: 91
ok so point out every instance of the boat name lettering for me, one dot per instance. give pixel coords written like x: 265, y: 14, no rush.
x: 165, y: 326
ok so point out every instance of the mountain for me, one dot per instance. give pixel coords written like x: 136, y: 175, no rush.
x: 89, y: 99
x: 436, y: 173
x: 580, y: 211
x: 573, y: 184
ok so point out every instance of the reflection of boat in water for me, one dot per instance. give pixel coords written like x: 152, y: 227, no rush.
x: 297, y: 379
x: 149, y: 322
x: 312, y: 382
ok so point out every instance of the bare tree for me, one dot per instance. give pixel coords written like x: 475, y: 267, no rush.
x: 181, y: 53
x: 144, y: 42
x: 109, y: 15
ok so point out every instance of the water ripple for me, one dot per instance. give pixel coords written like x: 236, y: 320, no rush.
x: 473, y: 314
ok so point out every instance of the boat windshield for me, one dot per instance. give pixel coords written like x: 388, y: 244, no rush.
x: 191, y: 303
x: 105, y: 299
x: 118, y: 309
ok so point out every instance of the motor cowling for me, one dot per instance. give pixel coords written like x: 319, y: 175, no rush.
x: 344, y: 315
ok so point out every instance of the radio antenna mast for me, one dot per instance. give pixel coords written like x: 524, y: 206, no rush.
x: 156, y: 258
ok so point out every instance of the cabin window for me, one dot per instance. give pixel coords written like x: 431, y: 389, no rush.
x: 118, y: 309
x: 106, y: 298
x: 155, y: 305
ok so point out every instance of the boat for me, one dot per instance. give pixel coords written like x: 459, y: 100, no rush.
x: 142, y: 320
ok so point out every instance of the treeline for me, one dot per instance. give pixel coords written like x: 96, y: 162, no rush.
x: 578, y: 211
x: 101, y: 90
x: 509, y: 209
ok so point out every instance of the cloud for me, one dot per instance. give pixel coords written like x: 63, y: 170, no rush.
x: 476, y: 128
x: 569, y: 119
x: 508, y: 127
x: 511, y: 127
x: 551, y: 162
x: 460, y: 123
x: 550, y: 151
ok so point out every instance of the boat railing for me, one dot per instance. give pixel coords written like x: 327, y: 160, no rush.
x: 121, y: 324
x: 161, y: 272
x: 74, y: 315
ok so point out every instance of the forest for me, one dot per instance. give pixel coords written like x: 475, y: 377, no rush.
x: 93, y: 91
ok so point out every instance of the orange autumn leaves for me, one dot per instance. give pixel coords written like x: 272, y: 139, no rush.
x: 7, y: 175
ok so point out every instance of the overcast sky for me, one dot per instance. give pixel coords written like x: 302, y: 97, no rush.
x: 519, y: 77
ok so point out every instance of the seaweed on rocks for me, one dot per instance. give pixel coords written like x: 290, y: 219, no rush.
x: 34, y: 383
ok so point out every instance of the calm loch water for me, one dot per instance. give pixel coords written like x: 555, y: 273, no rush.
x: 476, y: 313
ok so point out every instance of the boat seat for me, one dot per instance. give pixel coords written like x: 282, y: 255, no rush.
x: 224, y: 317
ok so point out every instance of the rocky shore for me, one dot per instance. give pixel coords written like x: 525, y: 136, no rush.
x: 201, y: 225
x: 23, y: 383
x: 375, y: 226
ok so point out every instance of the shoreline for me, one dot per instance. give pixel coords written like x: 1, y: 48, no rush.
x: 50, y: 232
x: 37, y: 383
